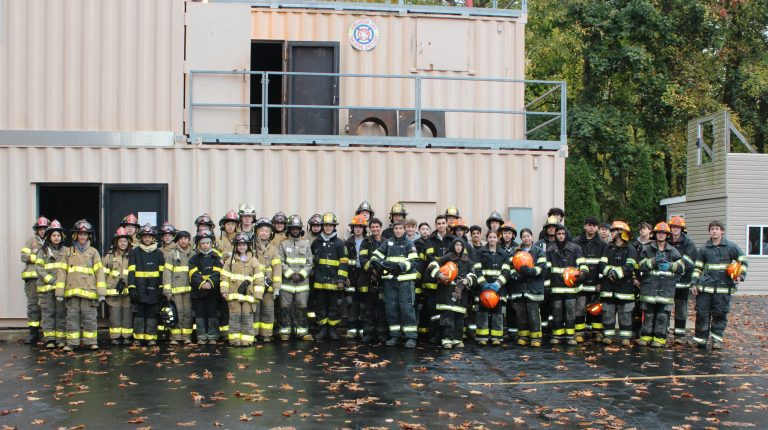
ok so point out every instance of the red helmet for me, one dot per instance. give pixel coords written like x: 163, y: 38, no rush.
x: 661, y: 227
x: 121, y: 233
x: 41, y: 222
x: 678, y: 221
x: 450, y: 270
x: 54, y: 226
x: 522, y: 258
x: 130, y: 219
x: 571, y: 276
x: 231, y: 216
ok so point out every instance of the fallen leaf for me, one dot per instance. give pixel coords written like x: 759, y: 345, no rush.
x: 187, y: 424
x: 136, y: 420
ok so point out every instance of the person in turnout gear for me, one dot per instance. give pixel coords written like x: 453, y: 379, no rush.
x: 720, y: 267
x: 29, y: 276
x: 492, y: 272
x: 452, y: 214
x: 145, y: 285
x: 396, y: 258
x: 526, y: 290
x: 365, y: 210
x: 49, y: 259
x: 544, y: 242
x: 176, y: 286
x: 508, y: 234
x: 438, y: 243
x: 687, y: 249
x: 296, y: 257
x: 228, y: 227
x: 167, y: 236
x: 494, y: 221
x: 278, y: 226
x: 396, y: 214
x: 372, y: 303
x: 266, y: 253
x: 82, y: 286
x: 661, y: 265
x: 352, y: 294
x: 314, y: 228
x: 643, y: 238
x: 242, y: 286
x: 247, y: 215
x: 116, y: 264
x: 617, y: 292
x: 476, y: 238
x: 205, y: 269
x: 555, y: 216
x: 331, y: 263
x: 561, y: 256
x: 453, y: 296
x: 131, y: 225
x: 592, y: 249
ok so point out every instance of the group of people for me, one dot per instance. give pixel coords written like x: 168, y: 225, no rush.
x: 259, y: 278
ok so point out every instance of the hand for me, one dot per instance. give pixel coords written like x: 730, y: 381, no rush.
x: 664, y: 266
x: 659, y: 258
x: 224, y: 296
x: 60, y: 299
x: 441, y: 277
x: 464, y: 282
x: 611, y: 275
x: 598, y: 287
x: 528, y: 272
x: 340, y: 285
x: 636, y: 282
x: 102, y: 299
x: 296, y: 278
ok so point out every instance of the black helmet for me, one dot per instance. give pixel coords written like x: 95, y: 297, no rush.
x: 241, y: 238
x: 264, y: 222
x: 329, y: 218
x: 364, y: 206
x: 168, y: 314
x: 231, y: 216
x: 452, y: 211
x: 279, y: 218
x: 204, y: 234
x: 315, y: 219
x: 204, y: 219
x: 167, y: 228
x: 294, y: 221
x: 494, y: 216
x: 148, y: 230
x: 397, y: 209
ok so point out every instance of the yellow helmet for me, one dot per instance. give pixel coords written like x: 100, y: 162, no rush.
x: 623, y: 227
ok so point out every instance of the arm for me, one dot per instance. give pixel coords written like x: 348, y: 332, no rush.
x: 226, y: 275
x: 277, y: 271
x: 343, y: 273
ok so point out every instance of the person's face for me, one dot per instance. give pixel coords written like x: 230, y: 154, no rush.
x: 242, y: 247
x: 82, y: 238
x: 459, y: 232
x: 715, y: 232
x: 661, y: 237
x: 40, y: 232
x: 560, y: 235
x: 247, y: 220
x: 476, y: 235
x: 279, y: 227
x: 183, y: 242
x: 206, y: 245
x: 645, y: 231
x: 327, y: 228
x: 495, y: 225
x: 147, y: 239
x: 527, y: 239
x: 122, y: 244
x: 507, y: 235
x: 398, y: 217
x: 167, y: 238
x: 458, y: 247
x: 591, y: 229
x: 493, y: 239
x: 315, y: 228
x: 230, y: 227
x: 441, y: 225
x: 551, y: 231
x: 676, y: 231
x: 366, y: 214
x: 55, y: 238
x: 264, y: 232
x: 375, y: 229
x: 424, y: 231
x: 294, y: 231
x: 399, y: 231
x: 616, y: 234
x: 410, y: 230
x: 450, y: 219
x: 604, y: 232
x: 130, y: 229
x: 358, y: 230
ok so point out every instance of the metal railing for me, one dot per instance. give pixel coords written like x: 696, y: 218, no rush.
x: 543, y: 114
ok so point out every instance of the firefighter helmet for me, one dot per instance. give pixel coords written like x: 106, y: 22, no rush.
x: 678, y: 221
x: 294, y: 221
x: 358, y: 220
x: 522, y: 258
x: 623, y: 228
x: 315, y: 219
x: 571, y: 276
x: 204, y: 219
x: 329, y: 218
x: 265, y: 222
x: 459, y: 224
x: 364, y: 206
x: 167, y: 228
x: 121, y: 233
x: 241, y: 238
x: 246, y: 210
x: 55, y: 225
x: 82, y: 226
x: 231, y: 216
x: 509, y: 225
x: 148, y: 230
x: 130, y: 219
x: 551, y: 222
x: 168, y: 314
x: 41, y: 222
x: 494, y: 216
x: 452, y: 211
x: 734, y: 270
x: 595, y: 309
x: 279, y: 218
x: 661, y: 227
x: 450, y: 271
x: 204, y: 234
x: 489, y: 299
x: 397, y: 209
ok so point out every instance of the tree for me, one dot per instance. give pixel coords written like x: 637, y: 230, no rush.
x: 580, y: 195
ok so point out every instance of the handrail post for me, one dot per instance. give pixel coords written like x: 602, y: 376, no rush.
x: 191, y: 107
x: 563, y: 116
x: 264, y: 109
x: 417, y: 114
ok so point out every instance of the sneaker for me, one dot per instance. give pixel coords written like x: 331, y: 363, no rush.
x: 126, y: 342
x: 642, y: 342
x: 285, y: 337
x: 458, y: 344
x: 50, y: 344
x: 607, y: 341
x: 410, y: 343
x: 213, y: 342
x: 234, y: 342
x: 187, y: 341
x: 496, y: 342
x: 535, y: 343
x: 93, y: 347
x: 716, y: 344
x: 599, y: 337
x: 554, y: 341
x: 572, y: 342
x: 60, y: 345
x: 579, y: 339
x: 350, y: 335
x: 136, y: 343
x: 307, y: 337
x: 679, y: 341
x: 655, y: 344
x: 267, y: 339
x: 626, y: 342
x: 151, y: 343
x: 68, y: 348
x: 482, y: 342
x: 392, y: 341
x: 448, y: 345
x: 246, y: 343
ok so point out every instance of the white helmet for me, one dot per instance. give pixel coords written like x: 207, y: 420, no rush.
x: 246, y: 209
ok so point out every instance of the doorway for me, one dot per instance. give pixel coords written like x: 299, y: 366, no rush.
x: 267, y: 56
x: 149, y: 202
x: 69, y: 203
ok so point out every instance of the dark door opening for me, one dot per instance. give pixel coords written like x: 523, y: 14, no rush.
x: 267, y: 56
x: 317, y: 57
x: 69, y: 203
x: 147, y: 201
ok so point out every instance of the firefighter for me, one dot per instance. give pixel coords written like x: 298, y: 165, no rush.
x: 366, y: 210
x: 167, y: 236
x: 687, y: 249
x: 662, y: 266
x: 145, y: 285
x: 131, y: 225
x: 247, y: 215
x: 617, y: 292
x: 49, y: 259
x: 314, y: 228
x: 372, y: 303
x: 527, y: 291
x: 331, y: 263
x: 549, y: 239
x: 475, y: 245
x: 459, y: 229
x: 494, y: 221
x: 453, y: 296
x: 352, y: 294
x: 278, y: 225
x: 29, y: 276
x: 561, y: 255
x: 227, y: 231
x: 296, y: 257
x: 508, y: 234
x: 492, y: 272
x: 82, y: 286
x: 396, y: 214
x: 266, y: 253
x: 205, y: 277
x: 116, y: 264
x: 643, y: 238
x: 452, y: 214
x: 397, y: 258
x: 592, y: 249
x: 204, y: 222
x: 713, y: 285
x: 421, y: 248
x: 176, y: 286
x: 242, y: 286
x: 438, y: 243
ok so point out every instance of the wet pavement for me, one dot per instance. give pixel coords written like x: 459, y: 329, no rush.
x: 345, y: 385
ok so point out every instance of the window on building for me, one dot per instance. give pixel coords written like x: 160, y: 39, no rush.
x: 705, y: 142
x: 757, y: 240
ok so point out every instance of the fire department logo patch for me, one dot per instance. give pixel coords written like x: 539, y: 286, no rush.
x: 363, y: 34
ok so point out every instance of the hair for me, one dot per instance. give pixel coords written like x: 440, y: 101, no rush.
x: 526, y: 230
x: 375, y: 221
x: 441, y: 217
x: 716, y: 223
x: 490, y: 232
x: 643, y: 225
x: 410, y: 222
x: 399, y: 223
x: 424, y: 224
x: 475, y: 228
x: 556, y: 211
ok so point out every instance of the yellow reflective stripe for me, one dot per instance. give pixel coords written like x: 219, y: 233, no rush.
x: 396, y: 258
x: 429, y: 285
x: 241, y: 297
x: 238, y: 277
x: 459, y: 309
x: 139, y: 274
x: 491, y: 272
x: 322, y: 286
x: 557, y: 270
x: 327, y: 262
x: 89, y: 334
x: 60, y: 265
x: 294, y: 289
x: 296, y: 260
x: 181, y: 290
x: 217, y: 269
x: 81, y: 269
x: 715, y: 266
x: 275, y: 261
x: 194, y: 269
x: 26, y: 250
x: 592, y: 260
x: 29, y: 275
x: 45, y: 288
x: 80, y: 292
x: 343, y: 273
x: 97, y: 266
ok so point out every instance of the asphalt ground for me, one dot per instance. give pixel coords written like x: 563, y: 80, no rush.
x: 347, y: 385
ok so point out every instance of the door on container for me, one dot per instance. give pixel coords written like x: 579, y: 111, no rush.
x: 70, y: 202
x: 267, y: 56
x: 149, y: 202
x: 314, y: 57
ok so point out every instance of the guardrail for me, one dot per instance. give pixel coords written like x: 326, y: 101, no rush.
x: 543, y: 113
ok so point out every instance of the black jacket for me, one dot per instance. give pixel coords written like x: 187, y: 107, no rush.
x: 530, y: 287
x: 592, y: 250
x: 204, y: 267
x: 145, y: 273
x: 623, y: 261
x: 688, y: 251
x: 557, y: 260
x: 710, y: 274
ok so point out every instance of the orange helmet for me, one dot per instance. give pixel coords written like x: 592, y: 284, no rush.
x: 509, y: 225
x: 450, y: 270
x: 623, y: 228
x: 571, y: 276
x: 595, y: 308
x: 661, y: 227
x: 358, y: 220
x: 459, y: 223
x: 522, y: 258
x: 489, y: 299
x: 734, y: 270
x: 677, y: 221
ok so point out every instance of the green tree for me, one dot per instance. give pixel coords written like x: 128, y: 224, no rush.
x: 580, y: 195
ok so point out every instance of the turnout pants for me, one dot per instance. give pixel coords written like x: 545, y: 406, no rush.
x: 33, y: 307
x: 612, y: 309
x: 264, y: 316
x: 711, y: 316
x: 145, y: 321
x: 429, y: 319
x: 223, y: 311
x: 183, y: 330
x: 120, y: 317
x: 528, y: 319
x: 399, y: 308
x: 655, y: 322
x: 452, y: 314
x: 496, y: 319
x: 682, y: 293
x: 511, y: 318
x: 206, y: 317
x: 54, y: 315
x: 241, y: 329
x: 373, y: 316
x: 327, y: 311
x: 293, y: 312
x: 563, y: 322
x: 81, y: 313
